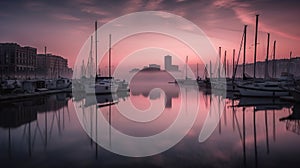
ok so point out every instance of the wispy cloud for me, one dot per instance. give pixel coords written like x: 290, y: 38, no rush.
x: 95, y: 10
x: 132, y: 6
x: 153, y: 5
x: 245, y: 12
x: 65, y: 17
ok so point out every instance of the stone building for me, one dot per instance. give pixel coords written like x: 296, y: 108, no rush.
x: 16, y: 61
x: 52, y: 66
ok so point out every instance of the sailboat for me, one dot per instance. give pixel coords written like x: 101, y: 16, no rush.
x: 187, y: 80
x: 101, y: 85
x: 266, y: 87
x: 204, y: 83
x: 122, y: 85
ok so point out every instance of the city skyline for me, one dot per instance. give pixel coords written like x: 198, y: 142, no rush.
x: 64, y: 27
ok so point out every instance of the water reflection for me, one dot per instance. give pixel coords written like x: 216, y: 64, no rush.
x: 251, y: 132
x: 21, y: 118
x: 293, y: 120
x: 143, y: 84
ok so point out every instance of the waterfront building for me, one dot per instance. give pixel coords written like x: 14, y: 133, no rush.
x: 52, y: 66
x: 17, y: 62
x: 168, y: 64
x: 154, y: 66
x: 275, y: 68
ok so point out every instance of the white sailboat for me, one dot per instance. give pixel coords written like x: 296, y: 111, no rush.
x: 263, y: 89
x: 101, y: 85
x: 267, y: 87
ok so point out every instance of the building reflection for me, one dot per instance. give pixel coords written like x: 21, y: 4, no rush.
x: 293, y: 120
x: 252, y: 125
x: 171, y: 91
x: 145, y: 83
x: 23, y: 114
x: 15, y: 114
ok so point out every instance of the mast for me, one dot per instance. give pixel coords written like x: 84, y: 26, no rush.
x: 210, y: 70
x: 197, y: 71
x: 205, y: 72
x: 186, y: 62
x: 45, y: 62
x: 96, y: 47
x: 225, y: 63
x: 233, y: 57
x: 109, y: 57
x: 274, y: 65
x: 89, y: 66
x: 219, y: 63
x: 267, y: 57
x: 255, y: 47
x: 244, y: 60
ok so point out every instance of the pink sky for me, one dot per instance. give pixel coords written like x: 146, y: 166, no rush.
x: 64, y: 27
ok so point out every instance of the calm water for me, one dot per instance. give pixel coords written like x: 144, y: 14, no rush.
x: 49, y: 132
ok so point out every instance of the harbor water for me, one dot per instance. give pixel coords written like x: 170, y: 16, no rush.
x: 55, y: 130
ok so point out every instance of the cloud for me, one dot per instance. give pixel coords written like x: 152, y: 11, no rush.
x: 153, y: 5
x: 65, y: 17
x: 164, y: 15
x: 95, y: 10
x: 132, y: 6
x: 245, y: 12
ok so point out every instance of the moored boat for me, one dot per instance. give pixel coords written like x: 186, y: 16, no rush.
x: 263, y: 89
x: 103, y: 86
x: 296, y: 94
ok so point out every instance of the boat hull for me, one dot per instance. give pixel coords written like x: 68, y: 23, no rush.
x: 260, y: 92
x: 296, y: 95
x: 101, y: 89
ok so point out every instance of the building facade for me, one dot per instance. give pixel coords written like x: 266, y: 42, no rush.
x: 52, y: 66
x: 154, y: 66
x: 17, y: 62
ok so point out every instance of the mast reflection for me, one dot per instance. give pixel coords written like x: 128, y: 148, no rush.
x: 23, y: 114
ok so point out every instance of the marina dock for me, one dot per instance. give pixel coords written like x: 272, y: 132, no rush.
x: 34, y: 94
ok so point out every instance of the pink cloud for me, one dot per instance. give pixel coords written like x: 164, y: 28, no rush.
x: 153, y: 5
x: 246, y: 15
x: 132, y: 6
x: 62, y: 16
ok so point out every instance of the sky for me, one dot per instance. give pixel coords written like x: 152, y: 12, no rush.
x: 64, y: 26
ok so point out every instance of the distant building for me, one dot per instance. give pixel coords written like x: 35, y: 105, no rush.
x: 274, y: 67
x: 168, y: 64
x: 151, y: 67
x: 52, y: 66
x: 154, y: 66
x: 16, y: 61
x: 134, y: 70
